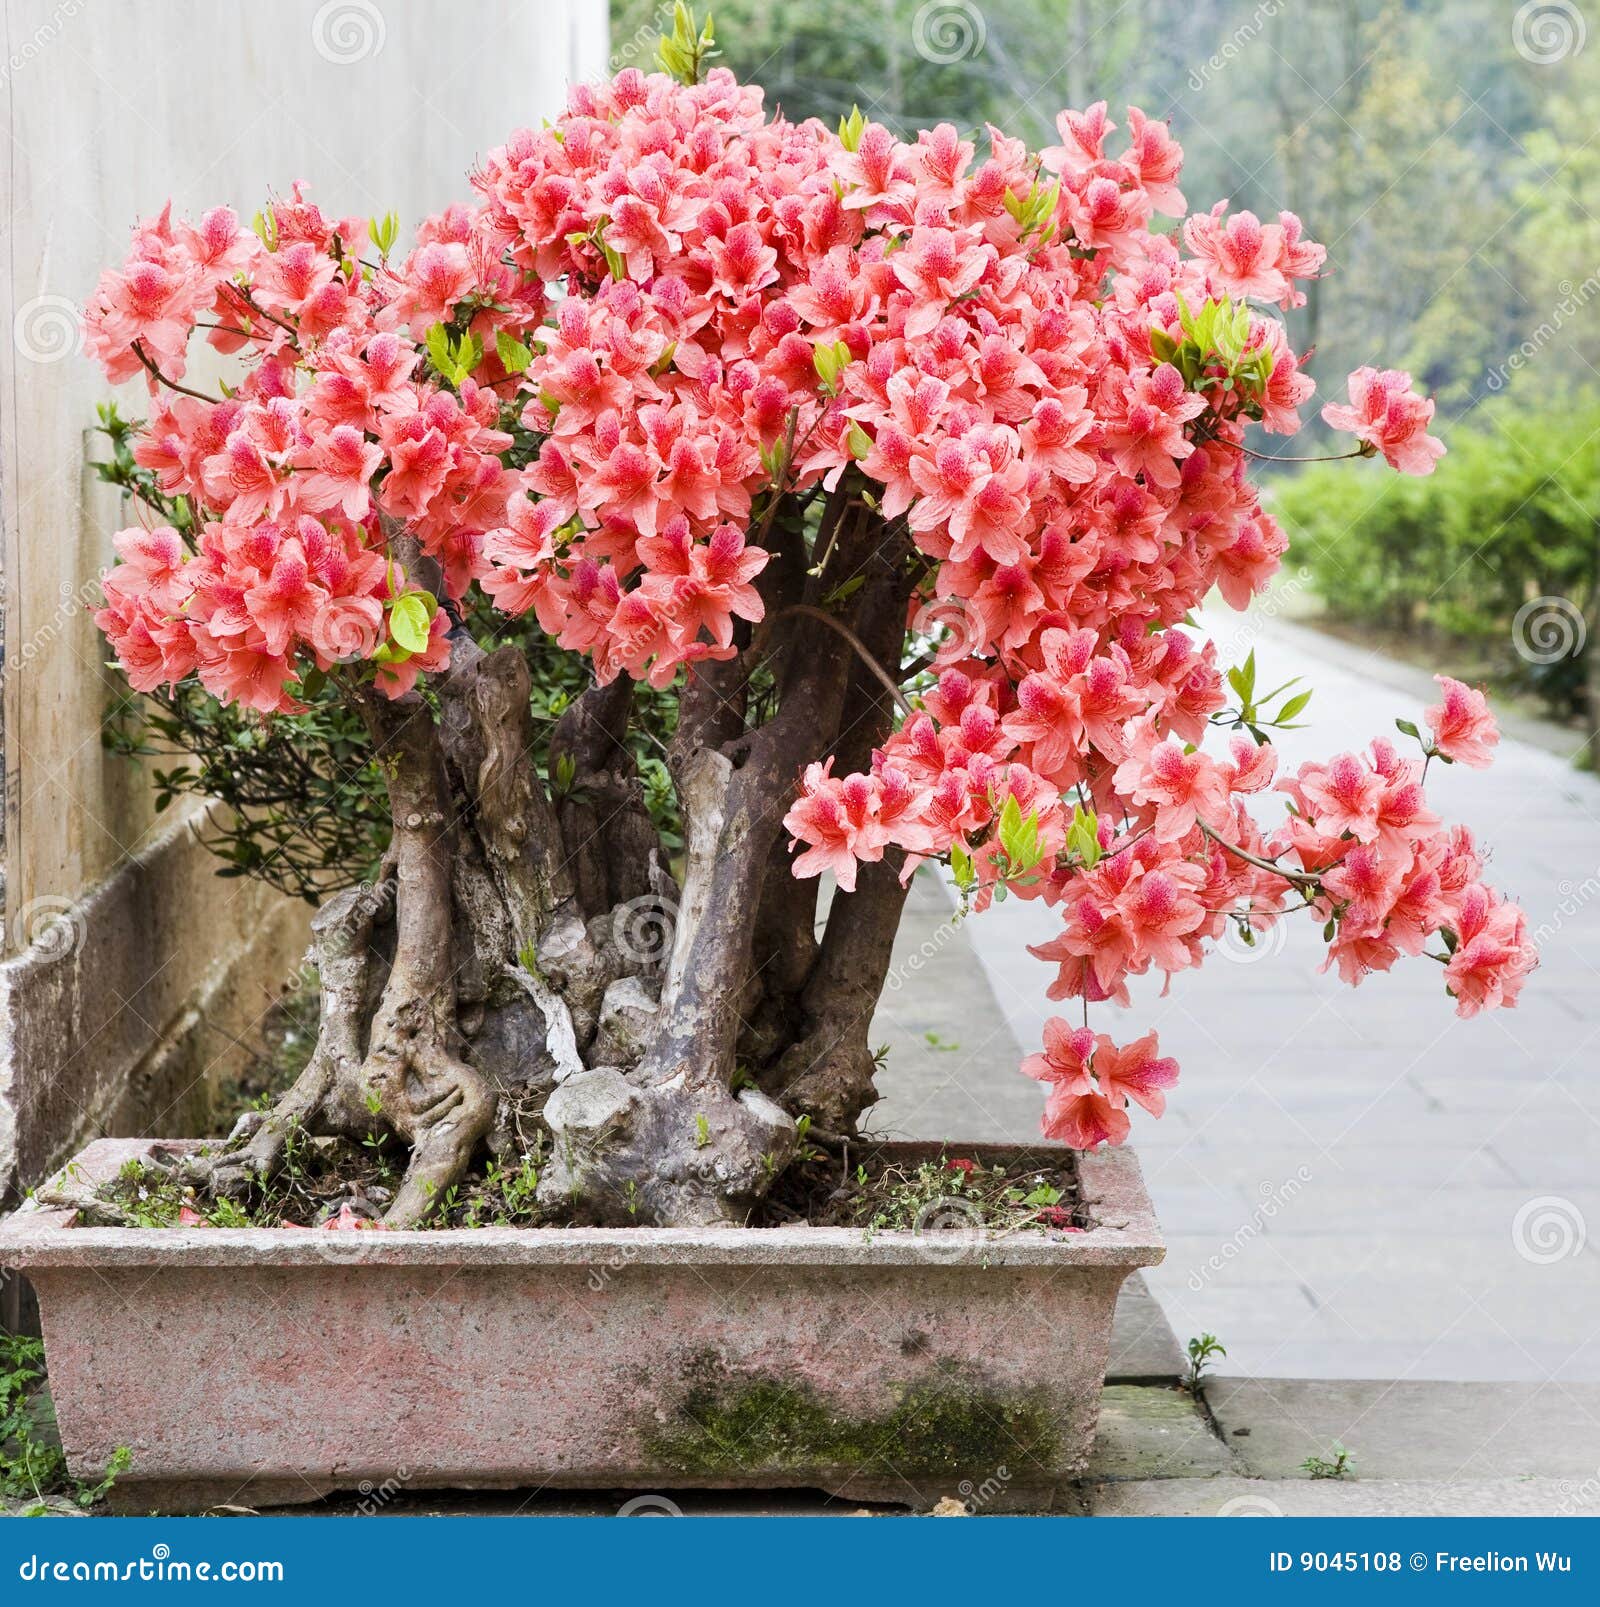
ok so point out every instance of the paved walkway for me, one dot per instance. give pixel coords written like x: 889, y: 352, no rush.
x: 1353, y: 1184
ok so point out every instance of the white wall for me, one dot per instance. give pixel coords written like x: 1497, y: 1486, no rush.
x: 110, y: 107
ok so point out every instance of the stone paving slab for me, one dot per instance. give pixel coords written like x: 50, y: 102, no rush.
x: 1414, y: 1430
x: 1144, y: 1348
x: 1153, y: 1433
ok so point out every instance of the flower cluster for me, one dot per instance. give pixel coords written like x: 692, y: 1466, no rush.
x: 666, y: 317
x: 341, y: 429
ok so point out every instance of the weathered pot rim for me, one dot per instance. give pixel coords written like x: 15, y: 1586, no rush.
x: 1125, y: 1231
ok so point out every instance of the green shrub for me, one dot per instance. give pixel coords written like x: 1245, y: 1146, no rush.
x: 1510, y: 515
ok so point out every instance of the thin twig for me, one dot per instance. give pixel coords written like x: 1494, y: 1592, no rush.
x: 1297, y: 877
x: 1285, y: 457
x: 171, y: 384
x: 860, y: 647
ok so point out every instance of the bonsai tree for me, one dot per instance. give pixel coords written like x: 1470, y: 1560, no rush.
x: 901, y: 465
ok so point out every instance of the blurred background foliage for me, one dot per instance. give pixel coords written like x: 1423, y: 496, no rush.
x: 1447, y: 153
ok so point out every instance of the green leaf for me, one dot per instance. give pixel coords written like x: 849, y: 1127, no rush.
x: 961, y: 866
x: 437, y: 343
x: 409, y: 620
x: 1010, y: 825
x: 830, y: 360
x: 514, y: 356
x: 1408, y: 729
x: 1294, y: 706
x: 614, y: 259
x: 682, y: 52
x: 1162, y: 346
x: 384, y: 231
x: 860, y: 443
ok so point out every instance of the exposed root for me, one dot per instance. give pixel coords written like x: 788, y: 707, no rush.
x: 428, y: 1095
x: 326, y: 1095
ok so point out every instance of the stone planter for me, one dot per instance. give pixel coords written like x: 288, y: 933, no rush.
x: 267, y: 1366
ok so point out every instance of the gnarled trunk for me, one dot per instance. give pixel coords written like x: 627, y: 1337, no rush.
x: 525, y: 955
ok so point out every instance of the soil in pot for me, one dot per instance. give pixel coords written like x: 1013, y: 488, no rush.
x: 336, y: 1183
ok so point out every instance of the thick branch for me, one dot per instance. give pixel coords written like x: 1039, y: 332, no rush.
x: 610, y: 843
x: 487, y: 732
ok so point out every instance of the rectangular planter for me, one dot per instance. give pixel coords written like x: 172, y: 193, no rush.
x: 269, y: 1366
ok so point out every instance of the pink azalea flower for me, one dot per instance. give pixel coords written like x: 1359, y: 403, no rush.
x: 1085, y: 1121
x: 1389, y: 417
x: 1462, y: 725
x: 1241, y: 254
x: 1136, y: 1072
x: 1493, y: 955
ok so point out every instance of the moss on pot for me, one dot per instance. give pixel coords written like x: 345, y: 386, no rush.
x: 955, y: 1423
